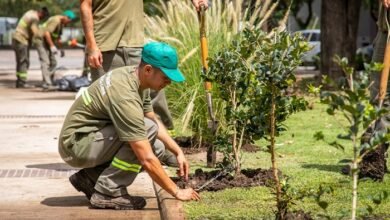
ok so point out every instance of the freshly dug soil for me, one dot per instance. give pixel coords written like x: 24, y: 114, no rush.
x: 191, y: 145
x: 247, y: 178
x: 298, y: 215
x: 373, y: 164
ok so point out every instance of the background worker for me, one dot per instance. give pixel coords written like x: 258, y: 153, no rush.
x: 26, y: 30
x: 111, y: 130
x: 374, y: 164
x: 114, y: 32
x: 46, y: 46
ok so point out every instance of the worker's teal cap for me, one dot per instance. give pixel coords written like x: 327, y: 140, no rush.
x: 70, y: 14
x: 164, y: 57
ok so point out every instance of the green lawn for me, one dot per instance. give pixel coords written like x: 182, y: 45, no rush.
x: 308, y: 163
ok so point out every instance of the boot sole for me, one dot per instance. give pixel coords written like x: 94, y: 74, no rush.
x: 111, y: 205
x: 79, y: 188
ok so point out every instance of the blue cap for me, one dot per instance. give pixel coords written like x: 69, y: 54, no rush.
x: 70, y: 14
x: 164, y: 57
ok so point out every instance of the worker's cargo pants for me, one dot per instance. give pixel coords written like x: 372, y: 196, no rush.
x: 48, y: 62
x: 131, y: 56
x: 22, y: 55
x: 109, y: 162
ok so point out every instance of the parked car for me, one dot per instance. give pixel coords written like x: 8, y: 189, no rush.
x: 7, y: 27
x: 313, y: 37
x: 312, y: 57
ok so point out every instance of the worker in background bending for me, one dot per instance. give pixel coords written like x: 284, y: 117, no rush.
x: 46, y: 46
x: 26, y: 30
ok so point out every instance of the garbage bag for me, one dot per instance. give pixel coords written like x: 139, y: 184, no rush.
x: 72, y: 83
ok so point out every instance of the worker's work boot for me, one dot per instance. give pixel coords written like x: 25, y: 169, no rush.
x: 49, y: 88
x: 23, y: 84
x: 125, y: 202
x: 82, y: 183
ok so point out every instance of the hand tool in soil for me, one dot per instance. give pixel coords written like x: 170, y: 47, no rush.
x: 212, y: 122
x: 224, y: 171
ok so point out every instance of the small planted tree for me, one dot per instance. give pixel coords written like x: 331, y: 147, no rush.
x: 352, y: 100
x: 276, y: 58
x: 230, y: 70
x: 253, y: 75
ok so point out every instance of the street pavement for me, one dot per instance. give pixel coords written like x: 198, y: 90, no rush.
x: 33, y: 178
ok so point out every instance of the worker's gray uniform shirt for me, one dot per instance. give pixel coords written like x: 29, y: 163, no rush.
x: 99, y: 125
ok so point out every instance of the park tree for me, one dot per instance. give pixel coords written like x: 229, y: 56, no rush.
x: 339, y: 26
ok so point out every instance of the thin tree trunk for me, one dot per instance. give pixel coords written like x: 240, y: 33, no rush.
x: 273, y: 155
x: 237, y: 167
x: 355, y: 174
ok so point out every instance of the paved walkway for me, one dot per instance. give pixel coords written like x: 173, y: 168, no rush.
x: 33, y: 178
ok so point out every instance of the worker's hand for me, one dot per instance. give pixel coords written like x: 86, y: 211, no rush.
x: 386, y: 3
x: 95, y: 58
x: 198, y: 3
x: 184, y: 166
x: 53, y: 50
x: 187, y: 194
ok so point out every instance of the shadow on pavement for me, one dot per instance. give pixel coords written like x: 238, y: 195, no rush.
x: 52, y: 166
x: 324, y: 167
x: 66, y: 201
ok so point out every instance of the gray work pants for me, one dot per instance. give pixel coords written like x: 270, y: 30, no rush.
x: 48, y: 62
x: 22, y: 55
x: 109, y: 162
x: 130, y: 56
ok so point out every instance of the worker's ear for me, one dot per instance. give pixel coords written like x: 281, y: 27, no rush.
x: 148, y: 69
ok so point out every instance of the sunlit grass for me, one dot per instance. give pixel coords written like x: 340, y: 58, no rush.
x: 308, y: 163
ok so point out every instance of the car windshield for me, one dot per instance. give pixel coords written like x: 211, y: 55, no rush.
x: 310, y: 36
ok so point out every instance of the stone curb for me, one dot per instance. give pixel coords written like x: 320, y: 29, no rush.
x: 170, y: 208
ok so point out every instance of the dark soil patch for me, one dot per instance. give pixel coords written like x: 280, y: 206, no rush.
x: 373, y: 164
x: 193, y: 145
x: 298, y: 215
x: 247, y: 178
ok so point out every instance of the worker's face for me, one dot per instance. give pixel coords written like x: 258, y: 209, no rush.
x: 66, y: 20
x: 156, y: 78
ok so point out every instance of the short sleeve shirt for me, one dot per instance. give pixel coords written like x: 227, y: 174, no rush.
x: 118, y: 23
x: 27, y: 27
x: 115, y: 99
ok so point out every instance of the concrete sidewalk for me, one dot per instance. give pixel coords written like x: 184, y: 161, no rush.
x: 34, y: 179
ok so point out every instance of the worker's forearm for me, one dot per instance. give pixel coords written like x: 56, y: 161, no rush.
x: 87, y: 22
x: 48, y: 39
x: 151, y: 164
x: 158, y: 175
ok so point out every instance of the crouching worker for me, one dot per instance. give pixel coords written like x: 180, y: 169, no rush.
x: 111, y: 132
